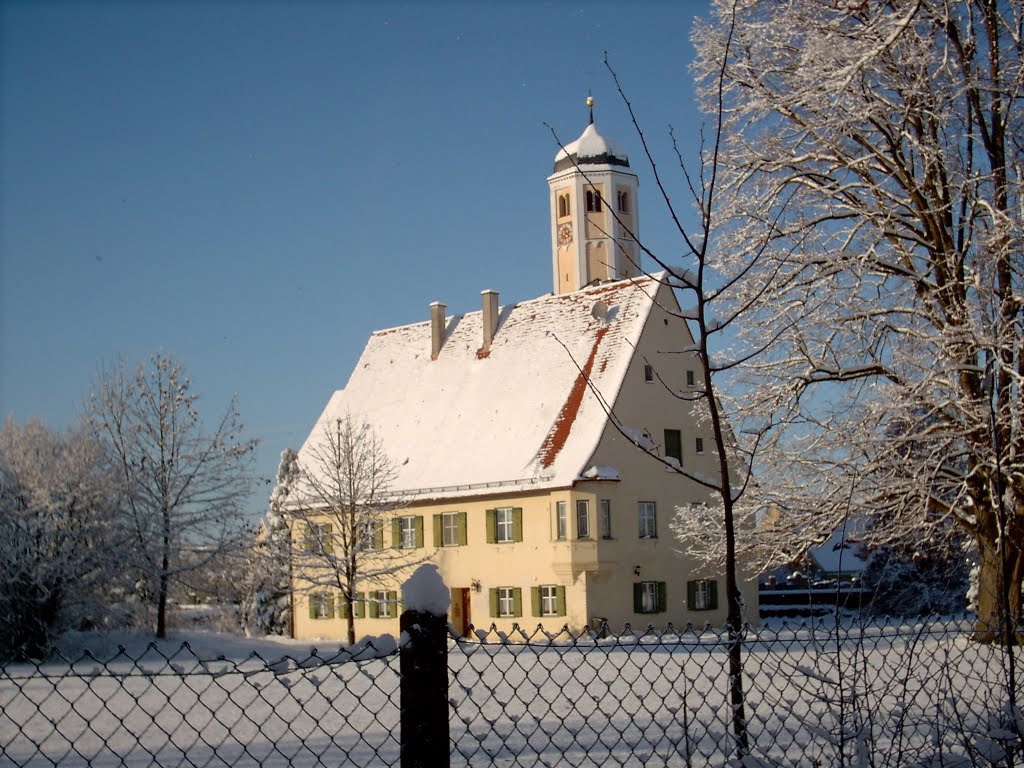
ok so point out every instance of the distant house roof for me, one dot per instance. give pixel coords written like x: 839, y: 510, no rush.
x: 841, y: 552
x: 520, y: 416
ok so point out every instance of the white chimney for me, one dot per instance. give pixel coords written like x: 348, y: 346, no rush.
x: 490, y: 317
x: 437, y: 309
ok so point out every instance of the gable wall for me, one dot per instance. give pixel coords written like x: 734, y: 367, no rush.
x: 653, y: 407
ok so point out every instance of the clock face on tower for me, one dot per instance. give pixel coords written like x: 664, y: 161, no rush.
x: 564, y: 234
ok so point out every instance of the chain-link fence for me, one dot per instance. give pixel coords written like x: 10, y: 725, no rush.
x: 821, y: 694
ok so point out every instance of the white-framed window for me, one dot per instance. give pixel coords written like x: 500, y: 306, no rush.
x: 504, y: 525
x: 702, y: 595
x: 648, y: 373
x: 690, y: 382
x: 699, y: 448
x: 648, y: 515
x: 450, y: 529
x: 561, y: 520
x: 321, y: 605
x: 549, y: 600
x: 605, y: 520
x: 318, y: 538
x: 407, y: 528
x: 506, y: 601
x: 649, y: 597
x: 582, y: 519
x: 385, y: 608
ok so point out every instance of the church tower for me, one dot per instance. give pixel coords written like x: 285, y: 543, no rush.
x: 594, y: 222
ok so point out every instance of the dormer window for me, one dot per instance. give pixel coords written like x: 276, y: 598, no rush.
x: 563, y: 205
x: 593, y: 201
x: 623, y: 201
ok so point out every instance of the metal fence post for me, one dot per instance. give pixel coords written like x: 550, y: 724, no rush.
x: 424, y: 690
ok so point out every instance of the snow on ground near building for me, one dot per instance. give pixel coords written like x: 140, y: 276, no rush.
x: 519, y: 416
x: 906, y: 695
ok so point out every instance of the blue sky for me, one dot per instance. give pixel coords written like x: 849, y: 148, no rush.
x: 254, y: 187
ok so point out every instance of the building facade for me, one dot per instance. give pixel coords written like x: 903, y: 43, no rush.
x: 542, y: 448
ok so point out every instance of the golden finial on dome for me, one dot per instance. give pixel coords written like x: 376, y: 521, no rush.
x: 590, y: 106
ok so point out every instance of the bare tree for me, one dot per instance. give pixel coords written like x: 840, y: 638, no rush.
x: 183, y: 486
x: 342, y: 501
x: 873, y: 162
x: 709, y: 290
x: 58, y: 533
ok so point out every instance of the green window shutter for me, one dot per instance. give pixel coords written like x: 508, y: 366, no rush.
x: 312, y: 606
x: 535, y: 601
x: 328, y: 528
x: 638, y: 597
x: 307, y: 543
x: 493, y: 595
x: 343, y: 608
x: 560, y: 600
x: 492, y: 526
x: 691, y: 595
x: 374, y: 605
x: 396, y: 533
x: 517, y: 524
x: 662, y: 597
x: 713, y: 594
x: 393, y: 599
x: 517, y: 602
x: 463, y: 538
x: 359, y: 605
x: 419, y: 531
x: 330, y: 604
x: 378, y: 534
x: 438, y: 531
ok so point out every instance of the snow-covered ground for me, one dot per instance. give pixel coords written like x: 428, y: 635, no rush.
x: 905, y: 695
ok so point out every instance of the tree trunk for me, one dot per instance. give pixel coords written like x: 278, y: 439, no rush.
x: 999, y: 599
x: 161, y: 607
x: 165, y: 564
x: 351, y: 621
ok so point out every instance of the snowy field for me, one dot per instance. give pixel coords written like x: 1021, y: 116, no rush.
x: 885, y: 695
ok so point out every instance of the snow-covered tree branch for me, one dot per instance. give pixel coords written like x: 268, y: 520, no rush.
x: 872, y: 165
x: 183, y: 486
x: 59, y: 535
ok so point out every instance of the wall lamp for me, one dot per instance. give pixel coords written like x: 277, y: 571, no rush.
x: 636, y: 570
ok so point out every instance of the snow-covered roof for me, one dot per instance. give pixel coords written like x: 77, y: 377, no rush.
x: 519, y: 416
x: 841, y: 552
x: 591, y: 148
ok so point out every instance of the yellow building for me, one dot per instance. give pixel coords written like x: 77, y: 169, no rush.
x: 519, y: 434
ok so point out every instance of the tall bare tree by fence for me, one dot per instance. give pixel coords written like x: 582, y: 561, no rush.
x: 182, y: 485
x: 342, y: 501
x: 710, y: 312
